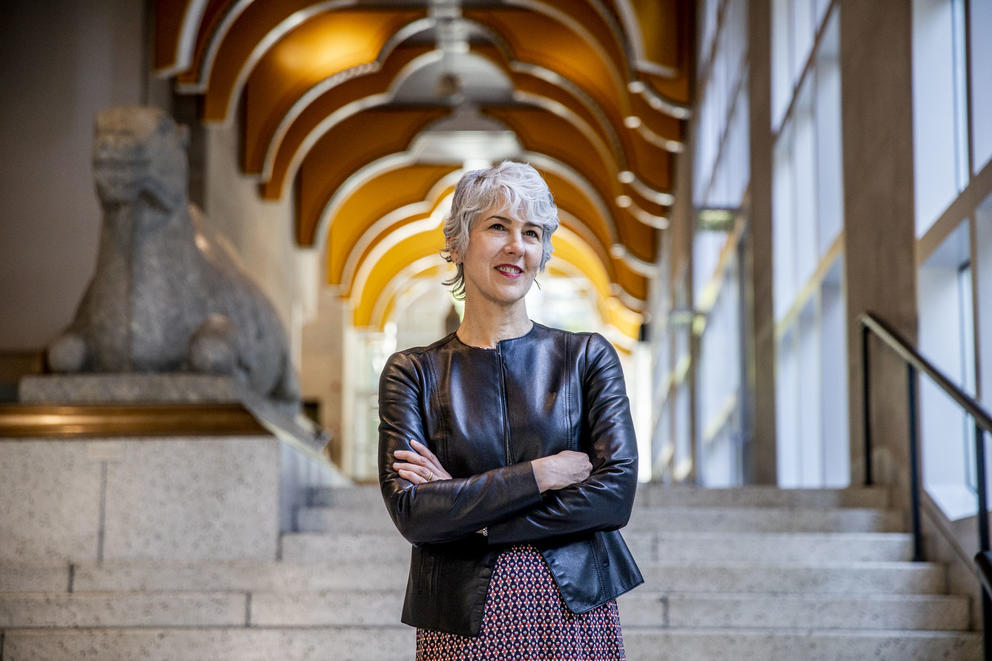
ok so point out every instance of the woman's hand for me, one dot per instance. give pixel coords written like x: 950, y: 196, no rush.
x: 419, y: 466
x: 561, y: 470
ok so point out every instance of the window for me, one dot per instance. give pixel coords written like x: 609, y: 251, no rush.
x: 939, y: 107
x: 946, y: 339
x: 811, y: 364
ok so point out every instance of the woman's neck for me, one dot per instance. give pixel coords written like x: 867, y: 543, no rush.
x: 484, y: 326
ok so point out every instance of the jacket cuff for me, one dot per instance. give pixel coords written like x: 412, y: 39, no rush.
x: 524, y: 484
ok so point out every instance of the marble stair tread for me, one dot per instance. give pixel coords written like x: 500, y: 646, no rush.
x: 685, y: 546
x: 397, y: 642
x: 700, y: 576
x: 657, y: 495
x: 213, y: 644
x: 122, y: 609
x: 656, y: 644
x: 271, y: 577
x: 821, y: 578
x: 691, y: 546
x: 645, y: 608
x: 26, y: 578
x: 791, y: 611
x: 654, y: 495
x: 642, y: 607
x: 725, y: 519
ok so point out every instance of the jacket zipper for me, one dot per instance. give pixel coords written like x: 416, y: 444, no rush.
x: 506, y: 419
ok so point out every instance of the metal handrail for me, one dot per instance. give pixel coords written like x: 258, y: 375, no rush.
x: 916, y: 363
x: 913, y: 357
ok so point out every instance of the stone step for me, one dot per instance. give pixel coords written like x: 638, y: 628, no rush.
x: 652, y: 604
x: 397, y: 642
x: 35, y: 579
x: 643, y: 608
x: 772, y: 547
x: 657, y: 495
x: 212, y: 644
x: 764, y: 519
x: 273, y: 577
x: 699, y: 576
x: 785, y: 611
x: 657, y: 644
x: 714, y: 519
x: 646, y: 546
x: 123, y: 609
x: 660, y: 495
x: 854, y: 578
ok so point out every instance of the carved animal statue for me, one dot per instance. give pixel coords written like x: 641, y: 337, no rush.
x: 165, y: 298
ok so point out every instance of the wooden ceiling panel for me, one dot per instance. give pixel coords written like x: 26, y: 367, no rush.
x: 401, y: 188
x: 537, y: 39
x: 399, y: 255
x: 351, y: 144
x: 174, y: 56
x: 544, y: 132
x: 328, y: 45
x: 272, y: 155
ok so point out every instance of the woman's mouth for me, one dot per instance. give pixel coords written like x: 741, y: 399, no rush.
x: 510, y: 271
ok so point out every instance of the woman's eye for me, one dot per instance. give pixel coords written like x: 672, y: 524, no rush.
x: 533, y: 234
x: 496, y: 226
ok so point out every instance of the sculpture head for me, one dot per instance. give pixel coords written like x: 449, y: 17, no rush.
x: 138, y: 152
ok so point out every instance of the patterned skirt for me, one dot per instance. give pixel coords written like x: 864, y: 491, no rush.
x: 525, y: 619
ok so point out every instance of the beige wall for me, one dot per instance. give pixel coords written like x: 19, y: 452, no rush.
x: 63, y: 61
x: 260, y: 231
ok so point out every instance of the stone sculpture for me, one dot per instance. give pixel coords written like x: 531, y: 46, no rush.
x: 164, y: 297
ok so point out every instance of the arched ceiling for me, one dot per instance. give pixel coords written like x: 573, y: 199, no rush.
x: 366, y: 112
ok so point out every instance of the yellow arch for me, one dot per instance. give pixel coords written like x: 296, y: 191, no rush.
x: 418, y: 253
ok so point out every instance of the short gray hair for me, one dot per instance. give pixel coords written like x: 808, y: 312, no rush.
x: 516, y: 186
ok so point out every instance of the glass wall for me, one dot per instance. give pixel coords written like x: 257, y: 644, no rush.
x: 982, y: 270
x: 946, y: 339
x: 939, y: 107
x: 952, y: 128
x: 721, y: 176
x: 811, y: 382
x: 980, y: 47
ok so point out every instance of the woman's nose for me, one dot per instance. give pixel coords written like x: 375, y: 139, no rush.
x: 514, y: 242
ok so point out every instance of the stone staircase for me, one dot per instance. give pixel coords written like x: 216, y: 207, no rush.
x: 750, y: 573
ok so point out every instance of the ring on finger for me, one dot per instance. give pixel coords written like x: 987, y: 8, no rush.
x: 430, y: 476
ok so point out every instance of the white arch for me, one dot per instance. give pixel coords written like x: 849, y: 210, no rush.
x: 434, y: 204
x: 187, y: 39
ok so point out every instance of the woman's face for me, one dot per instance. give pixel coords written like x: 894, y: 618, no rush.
x: 503, y: 256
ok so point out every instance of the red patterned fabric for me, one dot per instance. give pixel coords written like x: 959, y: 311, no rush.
x: 525, y: 619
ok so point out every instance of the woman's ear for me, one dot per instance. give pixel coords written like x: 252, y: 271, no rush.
x: 453, y: 255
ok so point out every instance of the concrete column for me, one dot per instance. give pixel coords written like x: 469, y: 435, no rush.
x: 879, y: 235
x: 322, y: 372
x: 760, y: 461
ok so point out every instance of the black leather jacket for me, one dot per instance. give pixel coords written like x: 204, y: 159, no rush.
x: 486, y: 413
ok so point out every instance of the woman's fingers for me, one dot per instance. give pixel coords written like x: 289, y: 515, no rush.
x: 414, y: 473
x: 411, y: 476
x: 411, y: 457
x: 422, y: 456
x: 416, y: 459
x: 424, y: 450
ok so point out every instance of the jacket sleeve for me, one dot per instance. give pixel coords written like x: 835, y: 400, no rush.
x: 604, y: 500
x: 443, y: 510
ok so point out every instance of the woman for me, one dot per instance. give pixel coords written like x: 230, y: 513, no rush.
x: 507, y: 453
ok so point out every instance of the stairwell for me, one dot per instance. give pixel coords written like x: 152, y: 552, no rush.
x: 748, y: 573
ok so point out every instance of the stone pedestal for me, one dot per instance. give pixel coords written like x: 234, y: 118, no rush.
x: 163, y: 499
x: 178, y: 499
x: 129, y: 388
